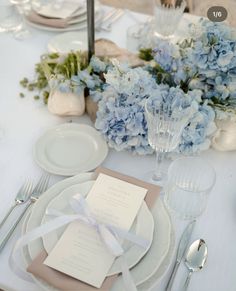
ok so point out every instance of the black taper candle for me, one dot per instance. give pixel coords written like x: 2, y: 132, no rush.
x: 91, y: 28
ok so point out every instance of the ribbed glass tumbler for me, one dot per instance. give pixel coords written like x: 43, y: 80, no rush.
x: 189, y: 182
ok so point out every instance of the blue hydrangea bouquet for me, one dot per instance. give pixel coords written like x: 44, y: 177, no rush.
x: 199, y: 72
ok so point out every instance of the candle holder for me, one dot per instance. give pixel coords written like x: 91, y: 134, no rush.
x: 90, y: 28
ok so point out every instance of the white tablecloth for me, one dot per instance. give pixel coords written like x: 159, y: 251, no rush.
x: 23, y: 120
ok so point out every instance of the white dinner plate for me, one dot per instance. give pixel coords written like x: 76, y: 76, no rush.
x: 68, y: 41
x: 69, y: 149
x: 151, y: 268
x: 143, y: 226
x: 157, y: 254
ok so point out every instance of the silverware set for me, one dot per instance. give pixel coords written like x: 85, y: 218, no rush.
x: 110, y: 18
x: 194, y: 256
x: 26, y: 195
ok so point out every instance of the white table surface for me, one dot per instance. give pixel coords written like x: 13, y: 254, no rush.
x: 24, y: 120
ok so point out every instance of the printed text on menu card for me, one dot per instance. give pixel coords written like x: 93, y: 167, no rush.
x: 80, y: 253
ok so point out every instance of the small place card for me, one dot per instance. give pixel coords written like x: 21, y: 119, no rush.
x: 80, y: 253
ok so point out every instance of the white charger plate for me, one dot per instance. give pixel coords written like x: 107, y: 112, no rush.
x: 69, y: 149
x: 143, y: 226
x: 150, y: 269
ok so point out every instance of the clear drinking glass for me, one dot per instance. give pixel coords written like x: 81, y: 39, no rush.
x: 167, y: 17
x: 189, y: 183
x: 165, y: 127
x: 23, y: 7
x: 9, y: 18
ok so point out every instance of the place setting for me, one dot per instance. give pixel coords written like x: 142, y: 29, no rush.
x: 82, y: 219
x: 150, y: 225
x: 60, y: 16
x: 144, y: 226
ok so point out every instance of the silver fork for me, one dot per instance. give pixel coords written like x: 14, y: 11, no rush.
x: 21, y: 197
x: 39, y: 189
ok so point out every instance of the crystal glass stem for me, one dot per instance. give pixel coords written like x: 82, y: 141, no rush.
x: 158, y: 174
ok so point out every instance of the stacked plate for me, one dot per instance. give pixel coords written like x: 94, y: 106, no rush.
x: 58, y: 15
x: 147, y: 265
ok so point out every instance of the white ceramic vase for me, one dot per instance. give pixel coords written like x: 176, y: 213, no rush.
x: 66, y: 104
x: 224, y: 138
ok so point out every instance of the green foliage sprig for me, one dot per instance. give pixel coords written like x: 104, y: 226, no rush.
x: 51, y: 65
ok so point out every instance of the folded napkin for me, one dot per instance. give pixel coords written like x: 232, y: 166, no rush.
x: 62, y: 281
x: 66, y: 283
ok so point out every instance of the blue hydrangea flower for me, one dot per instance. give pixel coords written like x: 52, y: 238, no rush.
x: 200, y: 126
x: 120, y: 115
x: 166, y: 55
x: 196, y: 136
x: 97, y: 65
x: 214, y: 49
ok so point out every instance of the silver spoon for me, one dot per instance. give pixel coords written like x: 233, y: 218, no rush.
x: 195, y: 259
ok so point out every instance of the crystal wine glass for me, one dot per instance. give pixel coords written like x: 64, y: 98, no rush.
x: 9, y: 17
x: 165, y: 127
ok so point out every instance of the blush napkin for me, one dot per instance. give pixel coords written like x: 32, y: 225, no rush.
x: 67, y: 283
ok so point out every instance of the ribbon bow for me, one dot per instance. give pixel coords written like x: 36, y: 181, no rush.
x: 109, y: 234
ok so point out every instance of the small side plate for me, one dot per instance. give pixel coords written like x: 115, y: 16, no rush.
x: 69, y: 149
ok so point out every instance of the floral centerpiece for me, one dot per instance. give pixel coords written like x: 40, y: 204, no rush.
x: 202, y: 67
x: 199, y: 73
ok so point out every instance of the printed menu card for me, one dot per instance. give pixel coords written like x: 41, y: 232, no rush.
x: 80, y: 253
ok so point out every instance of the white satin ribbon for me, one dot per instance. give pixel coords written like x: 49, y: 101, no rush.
x: 109, y: 234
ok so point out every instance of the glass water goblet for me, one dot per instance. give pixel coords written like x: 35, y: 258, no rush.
x: 190, y: 180
x: 165, y: 127
x: 167, y: 15
x: 23, y: 7
x: 9, y: 17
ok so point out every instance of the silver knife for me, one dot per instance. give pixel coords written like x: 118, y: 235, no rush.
x: 183, y: 244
